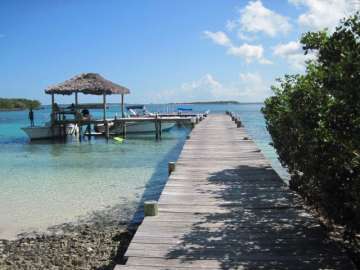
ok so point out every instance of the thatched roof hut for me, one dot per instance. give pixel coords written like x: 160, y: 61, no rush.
x: 87, y: 83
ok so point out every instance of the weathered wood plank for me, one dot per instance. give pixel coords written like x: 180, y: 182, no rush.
x: 224, y: 207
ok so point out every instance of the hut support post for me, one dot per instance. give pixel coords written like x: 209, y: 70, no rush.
x: 52, y: 108
x: 52, y: 115
x: 106, y: 124
x: 76, y: 110
x: 107, y: 131
x: 76, y: 101
x: 104, y: 107
x: 122, y: 106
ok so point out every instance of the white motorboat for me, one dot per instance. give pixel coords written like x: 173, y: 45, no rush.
x: 46, y: 132
x: 137, y: 127
x: 141, y: 127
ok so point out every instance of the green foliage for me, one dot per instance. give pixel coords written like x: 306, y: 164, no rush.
x: 314, y: 121
x: 18, y: 104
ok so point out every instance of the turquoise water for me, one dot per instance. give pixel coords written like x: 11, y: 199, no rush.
x: 46, y: 183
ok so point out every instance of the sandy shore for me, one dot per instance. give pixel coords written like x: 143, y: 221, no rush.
x: 98, y: 242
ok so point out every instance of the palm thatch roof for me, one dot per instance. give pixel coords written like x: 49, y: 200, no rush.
x: 87, y: 83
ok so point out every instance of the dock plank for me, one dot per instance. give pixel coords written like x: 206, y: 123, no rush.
x: 224, y: 207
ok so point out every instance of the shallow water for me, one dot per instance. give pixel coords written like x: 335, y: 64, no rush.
x: 44, y: 183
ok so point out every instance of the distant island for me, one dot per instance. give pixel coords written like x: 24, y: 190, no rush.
x: 210, y: 102
x: 17, y: 104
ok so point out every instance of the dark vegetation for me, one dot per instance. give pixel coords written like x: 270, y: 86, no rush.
x: 314, y: 121
x: 18, y: 104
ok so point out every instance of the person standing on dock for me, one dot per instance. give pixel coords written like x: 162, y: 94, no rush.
x: 31, y: 117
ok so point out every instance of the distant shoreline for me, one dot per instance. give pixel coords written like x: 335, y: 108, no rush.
x: 209, y: 102
x: 18, y: 104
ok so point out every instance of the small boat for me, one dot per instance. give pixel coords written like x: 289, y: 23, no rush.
x: 139, y: 127
x: 46, y: 132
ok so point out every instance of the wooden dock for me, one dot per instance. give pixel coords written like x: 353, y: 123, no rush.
x: 224, y: 207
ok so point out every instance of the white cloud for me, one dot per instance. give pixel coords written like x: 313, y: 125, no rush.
x: 322, y: 14
x: 256, y: 18
x: 249, y: 87
x: 231, y: 25
x: 288, y: 48
x: 219, y: 38
x: 249, y: 52
x: 246, y: 51
x: 292, y: 52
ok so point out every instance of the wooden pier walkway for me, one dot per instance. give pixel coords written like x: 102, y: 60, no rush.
x: 224, y: 207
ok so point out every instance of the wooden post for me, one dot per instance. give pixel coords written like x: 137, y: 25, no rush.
x: 52, y: 108
x: 107, y: 135
x: 122, y: 106
x: 76, y: 101
x: 104, y: 107
x: 124, y: 129
x: 156, y: 128
x: 150, y: 208
x: 52, y: 118
x: 160, y: 131
x: 238, y: 124
x: 193, y: 122
x: 88, y: 128
x: 80, y: 132
x: 171, y: 167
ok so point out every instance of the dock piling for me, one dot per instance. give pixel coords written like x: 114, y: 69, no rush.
x: 150, y: 208
x: 107, y: 131
x: 171, y: 167
x: 124, y: 130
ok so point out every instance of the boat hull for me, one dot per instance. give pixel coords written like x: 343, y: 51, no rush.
x: 36, y: 133
x: 138, y: 127
x: 46, y: 132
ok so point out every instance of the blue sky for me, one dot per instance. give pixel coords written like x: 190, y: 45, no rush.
x: 164, y: 51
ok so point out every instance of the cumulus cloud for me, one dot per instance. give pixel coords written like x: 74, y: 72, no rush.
x: 219, y: 38
x: 256, y: 18
x: 249, y: 52
x: 322, y: 14
x: 288, y: 48
x: 292, y: 52
x: 249, y: 87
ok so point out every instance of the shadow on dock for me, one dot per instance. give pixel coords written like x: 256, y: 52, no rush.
x: 158, y: 180
x: 152, y: 191
x: 257, y: 224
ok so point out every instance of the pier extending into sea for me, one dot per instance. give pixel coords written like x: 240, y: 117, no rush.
x: 224, y: 207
